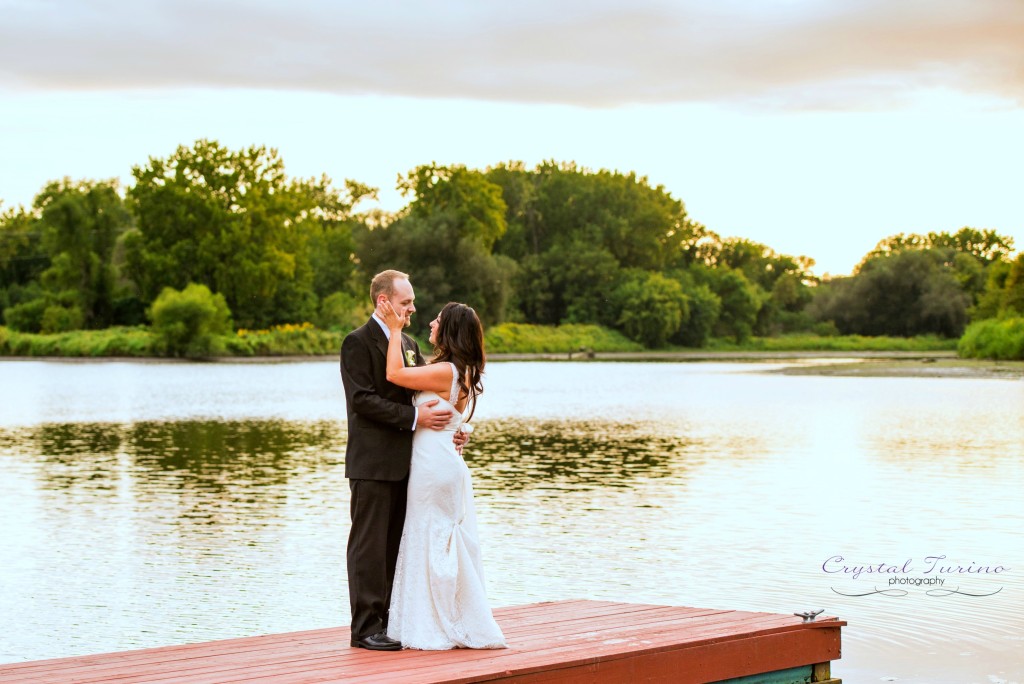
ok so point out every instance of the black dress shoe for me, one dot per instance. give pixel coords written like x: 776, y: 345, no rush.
x: 377, y: 642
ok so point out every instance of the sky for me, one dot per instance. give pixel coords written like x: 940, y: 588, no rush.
x: 816, y: 127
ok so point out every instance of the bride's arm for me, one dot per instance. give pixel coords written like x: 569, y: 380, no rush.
x: 433, y: 378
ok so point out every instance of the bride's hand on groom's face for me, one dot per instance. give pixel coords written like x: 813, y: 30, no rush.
x: 387, y: 313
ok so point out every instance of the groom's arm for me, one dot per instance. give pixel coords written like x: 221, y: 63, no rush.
x: 361, y: 392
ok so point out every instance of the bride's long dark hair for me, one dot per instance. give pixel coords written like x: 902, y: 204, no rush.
x: 460, y: 340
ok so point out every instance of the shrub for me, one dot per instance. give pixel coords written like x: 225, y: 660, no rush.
x: 905, y: 293
x: 119, y: 341
x: 825, y: 329
x: 522, y: 338
x: 653, y: 308
x: 57, y: 318
x: 27, y: 316
x: 189, y: 323
x: 836, y: 343
x: 705, y: 307
x: 290, y: 339
x: 343, y: 312
x: 740, y: 301
x: 994, y: 338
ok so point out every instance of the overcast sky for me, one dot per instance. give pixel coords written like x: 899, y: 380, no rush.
x: 815, y: 126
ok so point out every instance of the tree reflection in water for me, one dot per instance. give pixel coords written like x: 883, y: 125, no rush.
x: 570, y: 455
x: 256, y: 459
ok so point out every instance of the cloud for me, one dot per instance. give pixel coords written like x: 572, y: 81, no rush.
x: 781, y: 53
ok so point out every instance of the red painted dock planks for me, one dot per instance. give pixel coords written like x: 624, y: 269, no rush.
x: 565, y: 641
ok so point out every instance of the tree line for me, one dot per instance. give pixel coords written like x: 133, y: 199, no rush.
x: 549, y: 245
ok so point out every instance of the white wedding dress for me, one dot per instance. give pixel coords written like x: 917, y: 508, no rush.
x: 439, y: 600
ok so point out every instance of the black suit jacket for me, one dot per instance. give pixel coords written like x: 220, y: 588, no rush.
x: 380, y: 414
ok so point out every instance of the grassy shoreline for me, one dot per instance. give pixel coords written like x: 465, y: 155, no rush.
x: 865, y: 364
x: 694, y: 355
x: 849, y: 356
x: 510, y: 339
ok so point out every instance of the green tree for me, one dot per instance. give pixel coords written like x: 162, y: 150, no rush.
x: 443, y: 263
x: 969, y: 252
x: 760, y: 264
x: 990, y: 302
x: 557, y: 203
x: 22, y: 262
x: 332, y: 242
x: 467, y: 199
x: 783, y: 282
x: 27, y: 315
x: 1013, y: 290
x: 570, y: 283
x: 904, y: 293
x: 234, y: 222
x: 1004, y: 291
x: 533, y: 295
x: 652, y: 308
x: 984, y: 245
x: 576, y: 233
x: 705, y: 310
x: 22, y: 255
x: 189, y: 322
x: 343, y: 312
x: 444, y: 242
x: 740, y: 300
x: 57, y: 261
x: 81, y: 223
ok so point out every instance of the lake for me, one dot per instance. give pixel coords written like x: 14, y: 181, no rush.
x: 153, y: 503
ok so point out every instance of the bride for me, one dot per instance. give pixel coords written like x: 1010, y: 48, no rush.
x: 438, y: 600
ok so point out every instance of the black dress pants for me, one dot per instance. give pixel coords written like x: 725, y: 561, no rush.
x: 378, y: 514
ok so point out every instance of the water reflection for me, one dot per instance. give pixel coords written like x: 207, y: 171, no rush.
x: 203, y: 455
x: 219, y: 454
x: 222, y: 456
x: 560, y: 456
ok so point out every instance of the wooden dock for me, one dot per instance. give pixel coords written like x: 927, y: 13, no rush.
x: 566, y: 641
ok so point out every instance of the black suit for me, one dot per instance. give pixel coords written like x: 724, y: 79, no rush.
x: 380, y: 423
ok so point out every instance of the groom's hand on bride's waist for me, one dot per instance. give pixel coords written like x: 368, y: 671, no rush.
x: 432, y: 418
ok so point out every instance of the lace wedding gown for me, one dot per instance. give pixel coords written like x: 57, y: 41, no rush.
x: 438, y: 600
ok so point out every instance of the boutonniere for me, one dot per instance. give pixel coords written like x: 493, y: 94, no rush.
x: 410, y: 357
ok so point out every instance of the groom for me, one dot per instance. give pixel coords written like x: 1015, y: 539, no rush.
x: 381, y: 421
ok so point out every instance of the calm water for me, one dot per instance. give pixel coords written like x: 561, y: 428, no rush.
x: 144, y: 504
